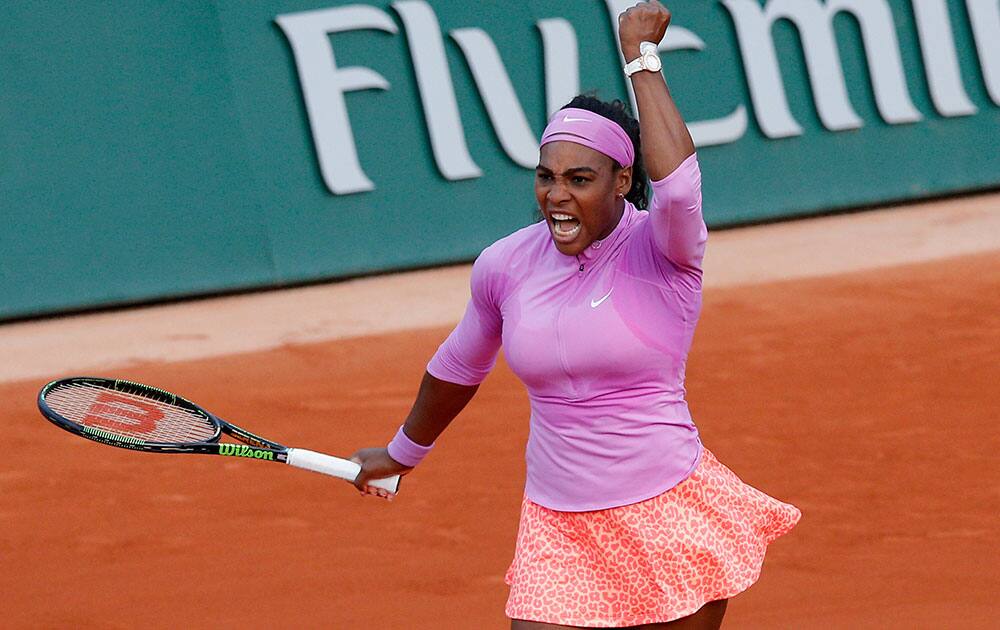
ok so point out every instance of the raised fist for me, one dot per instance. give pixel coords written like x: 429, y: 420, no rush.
x: 645, y: 22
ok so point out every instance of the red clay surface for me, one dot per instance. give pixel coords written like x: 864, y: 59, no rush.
x: 867, y: 400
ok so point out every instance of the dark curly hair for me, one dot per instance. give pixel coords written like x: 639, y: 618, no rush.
x: 619, y: 113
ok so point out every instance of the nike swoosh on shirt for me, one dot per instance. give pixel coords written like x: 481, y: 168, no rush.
x: 596, y: 303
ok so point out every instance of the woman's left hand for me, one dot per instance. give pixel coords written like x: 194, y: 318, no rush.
x: 645, y: 22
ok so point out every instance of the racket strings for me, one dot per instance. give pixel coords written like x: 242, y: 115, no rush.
x: 130, y: 415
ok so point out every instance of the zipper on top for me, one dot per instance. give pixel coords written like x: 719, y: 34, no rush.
x: 560, y: 341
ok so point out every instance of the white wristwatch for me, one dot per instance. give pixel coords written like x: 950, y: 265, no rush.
x: 648, y: 60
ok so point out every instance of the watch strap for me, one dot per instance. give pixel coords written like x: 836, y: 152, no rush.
x: 639, y: 63
x: 634, y: 66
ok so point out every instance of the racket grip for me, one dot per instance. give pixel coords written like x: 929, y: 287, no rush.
x: 335, y: 466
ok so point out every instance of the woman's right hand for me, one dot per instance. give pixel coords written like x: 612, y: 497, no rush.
x: 376, y: 464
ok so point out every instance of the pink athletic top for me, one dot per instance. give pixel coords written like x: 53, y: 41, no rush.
x: 601, y: 341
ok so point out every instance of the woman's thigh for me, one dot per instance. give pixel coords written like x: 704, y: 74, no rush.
x: 520, y: 624
x: 708, y: 617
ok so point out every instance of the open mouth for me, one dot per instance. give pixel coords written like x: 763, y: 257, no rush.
x: 564, y: 227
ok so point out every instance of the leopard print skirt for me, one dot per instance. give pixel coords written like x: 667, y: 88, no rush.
x: 648, y: 562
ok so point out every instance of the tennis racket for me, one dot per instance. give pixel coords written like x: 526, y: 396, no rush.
x: 143, y: 418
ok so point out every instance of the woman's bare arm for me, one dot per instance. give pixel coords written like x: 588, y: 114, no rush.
x: 678, y: 228
x: 666, y: 142
x: 436, y: 405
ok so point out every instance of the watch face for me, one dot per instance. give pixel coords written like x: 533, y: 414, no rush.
x: 652, y: 62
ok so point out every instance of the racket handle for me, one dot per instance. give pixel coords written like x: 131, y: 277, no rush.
x: 335, y: 466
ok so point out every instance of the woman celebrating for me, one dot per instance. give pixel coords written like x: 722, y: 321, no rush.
x: 627, y: 520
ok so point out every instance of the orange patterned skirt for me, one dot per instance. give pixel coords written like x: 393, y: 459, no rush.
x: 648, y: 562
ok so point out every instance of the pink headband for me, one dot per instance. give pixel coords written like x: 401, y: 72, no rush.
x: 592, y: 130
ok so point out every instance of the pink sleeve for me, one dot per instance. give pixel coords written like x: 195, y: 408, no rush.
x: 675, y: 213
x: 470, y: 351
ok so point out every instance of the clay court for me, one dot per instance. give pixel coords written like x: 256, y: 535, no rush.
x: 859, y: 384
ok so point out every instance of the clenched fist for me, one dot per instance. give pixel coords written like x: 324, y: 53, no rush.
x: 645, y: 22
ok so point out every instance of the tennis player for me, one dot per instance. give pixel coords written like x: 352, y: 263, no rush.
x: 627, y: 519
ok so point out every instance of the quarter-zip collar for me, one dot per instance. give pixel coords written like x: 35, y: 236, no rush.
x: 598, y: 248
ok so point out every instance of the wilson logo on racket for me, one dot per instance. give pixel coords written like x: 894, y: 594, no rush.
x: 241, y: 450
x: 111, y: 411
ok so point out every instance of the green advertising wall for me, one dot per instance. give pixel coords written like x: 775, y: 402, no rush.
x: 162, y: 149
